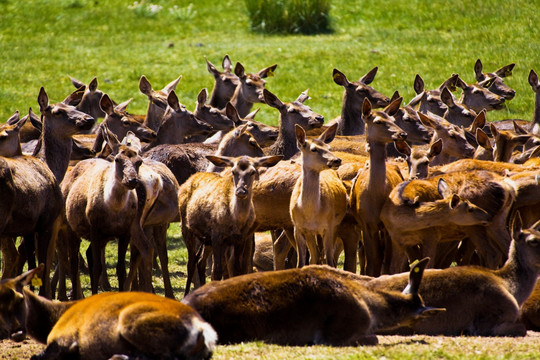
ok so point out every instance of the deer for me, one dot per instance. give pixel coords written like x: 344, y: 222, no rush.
x: 90, y: 100
x: 350, y: 122
x: 319, y: 199
x: 418, y: 158
x: 265, y: 135
x: 484, y: 189
x: 292, y: 113
x: 429, y: 101
x: 457, y: 114
x: 213, y: 116
x: 278, y: 306
x: 477, y: 96
x: 369, y: 191
x: 505, y: 141
x: 497, y: 86
x: 10, y: 144
x: 225, y: 83
x: 250, y: 89
x: 157, y: 101
x: 489, y: 300
x: 98, y: 191
x: 454, y: 140
x: 75, y: 328
x: 217, y: 210
x: 178, y: 123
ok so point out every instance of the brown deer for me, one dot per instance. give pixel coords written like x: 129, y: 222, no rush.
x: 265, y: 135
x: 250, y: 89
x: 478, y: 301
x: 211, y: 115
x: 290, y: 114
x: 457, y: 114
x: 350, y: 122
x: 100, y: 192
x: 279, y: 307
x: 418, y: 158
x: 497, y: 86
x: 429, y: 101
x: 90, y: 100
x: 217, y: 210
x: 372, y: 186
x: 10, y: 144
x: 319, y: 199
x: 225, y: 83
x: 75, y: 329
x: 505, y: 141
x: 157, y: 101
x: 477, y: 96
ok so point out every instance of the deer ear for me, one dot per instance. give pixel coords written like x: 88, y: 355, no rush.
x: 27, y: 277
x: 92, y: 86
x: 505, y: 70
x: 145, y: 87
x: 366, y: 108
x: 239, y: 70
x: 415, y: 276
x: 418, y: 84
x: 226, y: 63
x: 201, y: 98
x: 267, y: 72
x: 123, y: 106
x: 172, y: 85
x: 369, y: 77
x: 111, y: 139
x: 442, y: 188
x: 300, y: 135
x: 461, y: 84
x: 75, y: 97
x: 494, y: 130
x: 435, y: 148
x: 14, y: 118
x: 487, y: 83
x: 517, y: 225
x: 303, y: 96
x: 212, y: 69
x: 478, y: 70
x: 402, y: 147
x: 172, y: 100
x: 272, y: 100
x: 519, y: 130
x: 132, y: 141
x: 329, y: 134
x: 76, y: 83
x: 533, y: 81
x: 106, y: 104
x: 447, y: 98
x: 483, y: 140
x: 393, y: 107
x: 220, y: 161
x: 232, y: 114
x: 268, y: 161
x: 480, y: 120
x: 454, y: 201
x: 340, y: 78
x: 395, y: 95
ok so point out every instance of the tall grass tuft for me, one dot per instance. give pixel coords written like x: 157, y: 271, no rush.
x: 289, y: 16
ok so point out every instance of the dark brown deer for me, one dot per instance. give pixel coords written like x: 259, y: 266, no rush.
x: 307, y: 306
x: 477, y: 96
x: 498, y: 86
x: 430, y: 100
x: 157, y: 101
x: 225, y: 83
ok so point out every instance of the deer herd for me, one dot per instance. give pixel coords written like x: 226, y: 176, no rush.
x: 436, y: 208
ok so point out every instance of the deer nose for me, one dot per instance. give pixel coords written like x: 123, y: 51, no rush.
x: 132, y: 183
x: 19, y: 335
x: 335, y: 163
x: 242, y: 192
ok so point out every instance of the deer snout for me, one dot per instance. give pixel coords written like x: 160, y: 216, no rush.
x: 85, y: 122
x: 399, y: 135
x: 242, y: 192
x: 316, y: 121
x: 132, y: 182
x: 334, y: 163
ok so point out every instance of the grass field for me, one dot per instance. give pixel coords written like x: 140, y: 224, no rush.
x: 42, y: 42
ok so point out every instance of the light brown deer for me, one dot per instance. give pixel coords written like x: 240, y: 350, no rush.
x: 372, y: 186
x: 108, y: 325
x: 350, y: 122
x: 250, y: 89
x: 319, y: 199
x: 101, y: 203
x: 429, y: 101
x: 217, y: 210
x: 290, y: 114
x: 308, y: 306
x: 497, y: 86
x: 478, y: 301
x: 418, y: 158
x: 265, y: 135
x: 505, y: 141
x: 477, y: 96
x: 157, y: 101
x: 225, y: 83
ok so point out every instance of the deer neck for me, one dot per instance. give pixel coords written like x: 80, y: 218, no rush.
x: 351, y: 119
x: 217, y: 100
x: 55, y: 152
x: 242, y: 208
x: 242, y: 105
x: 310, y: 190
x: 377, y: 166
x: 154, y: 116
x: 115, y: 195
x: 42, y: 314
x: 286, y: 142
x: 535, y: 129
x: 519, y: 275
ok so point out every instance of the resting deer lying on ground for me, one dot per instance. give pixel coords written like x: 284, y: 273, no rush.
x: 372, y: 186
x: 250, y: 89
x: 497, y: 86
x: 108, y: 325
x: 225, y: 83
x: 217, y: 210
x: 350, y: 122
x: 478, y: 301
x: 312, y: 305
x: 319, y: 200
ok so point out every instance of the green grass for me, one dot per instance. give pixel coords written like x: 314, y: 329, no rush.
x: 42, y: 42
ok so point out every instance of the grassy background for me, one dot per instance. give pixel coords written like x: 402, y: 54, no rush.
x: 42, y: 42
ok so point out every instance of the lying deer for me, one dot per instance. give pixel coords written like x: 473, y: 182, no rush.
x: 311, y: 305
x: 108, y: 325
x: 478, y: 301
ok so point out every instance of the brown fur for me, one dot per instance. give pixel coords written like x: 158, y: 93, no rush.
x: 498, y: 86
x: 157, y: 101
x: 250, y: 89
x: 477, y: 96
x: 312, y: 305
x: 429, y: 101
x: 225, y: 83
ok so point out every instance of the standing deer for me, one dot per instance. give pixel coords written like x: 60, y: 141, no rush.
x: 225, y: 83
x: 319, y: 199
x: 372, y: 186
x: 429, y: 101
x: 477, y: 96
x: 157, y: 101
x: 250, y: 89
x: 217, y: 210
x: 350, y: 122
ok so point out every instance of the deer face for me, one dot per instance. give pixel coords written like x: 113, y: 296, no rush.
x: 316, y: 154
x: 477, y: 97
x: 127, y: 163
x: 211, y: 115
x: 357, y: 91
x: 408, y: 119
x: 380, y: 125
x: 466, y: 213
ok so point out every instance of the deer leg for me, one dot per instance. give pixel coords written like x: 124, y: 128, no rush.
x: 94, y: 257
x: 329, y: 240
x: 160, y: 239
x: 350, y: 235
x: 281, y: 247
x: 123, y: 243
x: 73, y: 246
x: 146, y: 250
x: 218, y: 252
x: 9, y: 255
x: 373, y: 250
x: 301, y: 247
x: 103, y: 278
x: 46, y: 246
